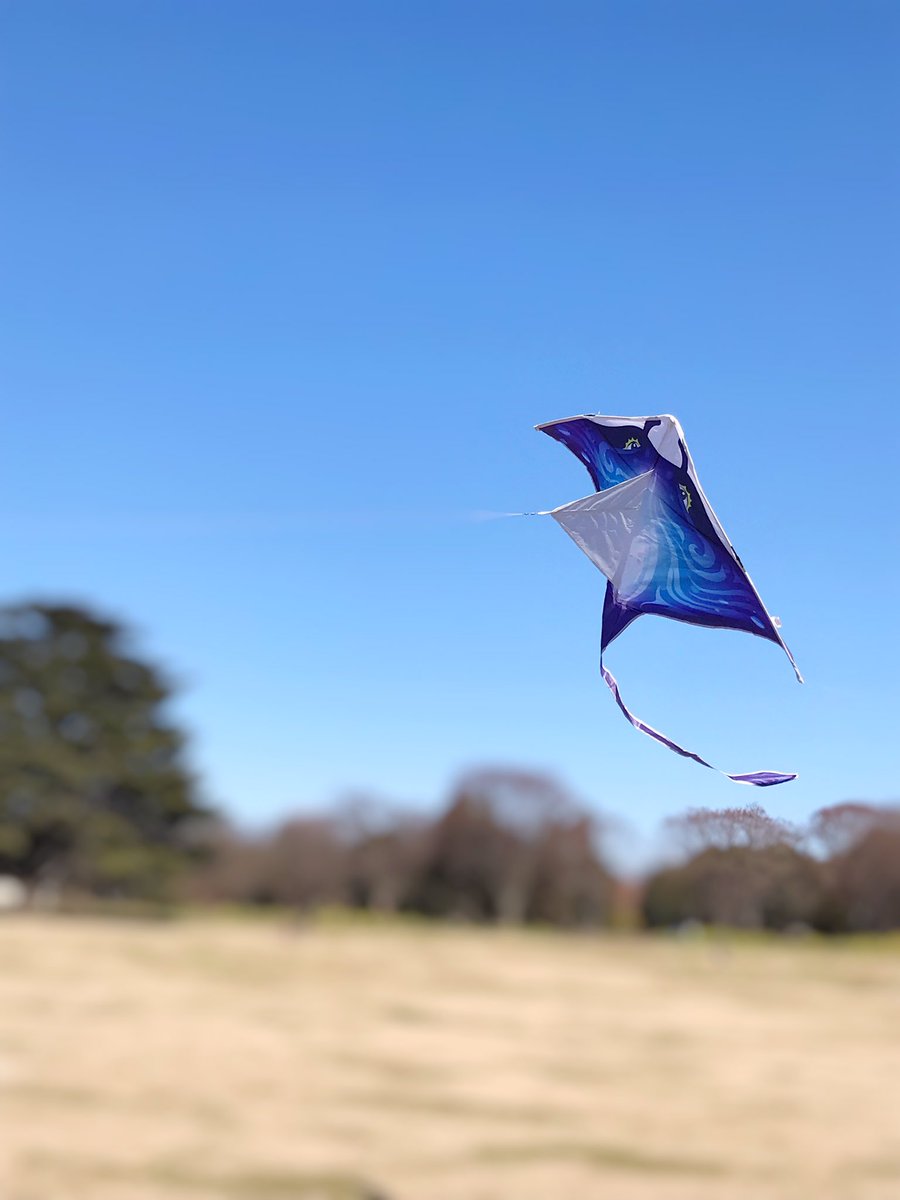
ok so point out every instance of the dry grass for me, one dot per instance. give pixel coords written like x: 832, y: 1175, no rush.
x: 249, y: 1060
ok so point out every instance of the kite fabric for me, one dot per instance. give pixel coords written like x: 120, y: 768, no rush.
x: 652, y: 532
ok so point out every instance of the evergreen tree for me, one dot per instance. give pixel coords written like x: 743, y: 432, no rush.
x: 94, y: 791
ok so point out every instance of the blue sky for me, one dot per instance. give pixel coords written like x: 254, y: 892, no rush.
x: 285, y: 287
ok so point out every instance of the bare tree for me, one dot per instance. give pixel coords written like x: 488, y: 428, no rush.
x: 513, y: 846
x: 862, y: 847
x: 728, y: 828
x: 386, y: 849
x: 738, y: 867
x: 306, y: 863
x: 834, y: 830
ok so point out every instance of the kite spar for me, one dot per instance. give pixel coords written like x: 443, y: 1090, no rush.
x: 653, y: 533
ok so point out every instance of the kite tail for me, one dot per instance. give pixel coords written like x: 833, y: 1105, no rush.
x: 757, y: 778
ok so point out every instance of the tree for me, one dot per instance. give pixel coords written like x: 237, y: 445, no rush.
x: 749, y: 826
x: 385, y: 851
x: 836, y: 829
x: 94, y: 791
x: 866, y: 879
x: 861, y: 846
x: 513, y: 846
x: 306, y: 863
x: 739, y: 867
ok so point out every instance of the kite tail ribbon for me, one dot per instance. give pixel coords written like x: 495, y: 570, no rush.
x: 756, y: 778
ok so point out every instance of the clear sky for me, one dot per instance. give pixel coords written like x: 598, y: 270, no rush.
x: 285, y: 287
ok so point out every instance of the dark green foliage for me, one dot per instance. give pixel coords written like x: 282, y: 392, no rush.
x: 94, y: 793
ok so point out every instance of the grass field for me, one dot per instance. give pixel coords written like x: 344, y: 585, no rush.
x: 252, y: 1060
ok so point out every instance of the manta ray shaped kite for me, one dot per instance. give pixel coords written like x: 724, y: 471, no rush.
x: 653, y: 534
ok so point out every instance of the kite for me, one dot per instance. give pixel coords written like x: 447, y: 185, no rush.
x: 652, y: 532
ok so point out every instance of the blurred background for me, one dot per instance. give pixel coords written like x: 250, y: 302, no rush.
x: 327, y: 869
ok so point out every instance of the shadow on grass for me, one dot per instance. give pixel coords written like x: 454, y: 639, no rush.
x: 619, y: 1158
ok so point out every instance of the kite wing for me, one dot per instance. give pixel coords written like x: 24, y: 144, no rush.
x: 651, y: 531
x: 612, y: 448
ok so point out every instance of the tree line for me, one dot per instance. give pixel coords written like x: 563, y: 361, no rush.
x: 509, y: 847
x: 740, y: 867
x: 512, y: 847
x: 97, y: 800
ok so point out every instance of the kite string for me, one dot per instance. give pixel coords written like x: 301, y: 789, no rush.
x: 547, y: 512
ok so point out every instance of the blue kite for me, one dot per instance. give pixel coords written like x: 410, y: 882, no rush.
x: 653, y: 534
